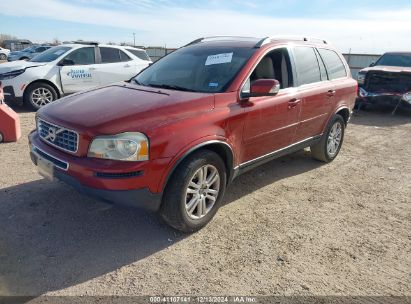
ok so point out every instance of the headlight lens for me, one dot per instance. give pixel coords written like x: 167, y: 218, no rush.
x: 361, y: 78
x: 129, y: 146
x: 11, y: 74
x: 407, y: 97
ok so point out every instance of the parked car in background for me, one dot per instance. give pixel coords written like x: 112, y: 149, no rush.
x: 67, y: 69
x: 387, y: 82
x: 4, y: 53
x: 173, y: 138
x: 27, y: 53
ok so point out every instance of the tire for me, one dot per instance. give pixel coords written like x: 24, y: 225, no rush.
x: 181, y: 207
x: 3, y: 57
x: 1, y: 137
x: 36, y: 91
x: 327, y: 148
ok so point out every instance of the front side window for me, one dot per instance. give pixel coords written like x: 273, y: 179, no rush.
x: 82, y: 56
x: 307, y: 68
x: 51, y: 54
x: 335, y: 66
x: 197, y: 68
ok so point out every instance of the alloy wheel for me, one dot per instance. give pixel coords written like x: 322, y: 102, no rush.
x: 41, y: 96
x: 334, y: 139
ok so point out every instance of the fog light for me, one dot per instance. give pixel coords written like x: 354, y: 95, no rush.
x: 362, y: 93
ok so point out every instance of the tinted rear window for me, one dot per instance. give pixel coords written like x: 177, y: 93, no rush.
x: 306, y: 63
x: 109, y: 55
x: 140, y: 54
x: 335, y: 66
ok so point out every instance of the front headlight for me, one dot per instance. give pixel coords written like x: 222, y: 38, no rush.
x: 11, y: 74
x: 129, y: 146
x: 407, y: 97
x: 361, y: 78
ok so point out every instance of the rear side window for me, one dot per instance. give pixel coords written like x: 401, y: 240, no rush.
x: 82, y: 56
x: 335, y: 66
x: 306, y: 63
x: 139, y: 54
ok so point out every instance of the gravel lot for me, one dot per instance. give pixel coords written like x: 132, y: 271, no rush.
x: 292, y: 227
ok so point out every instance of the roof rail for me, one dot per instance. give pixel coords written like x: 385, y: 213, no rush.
x: 86, y: 42
x: 266, y: 40
x: 217, y: 38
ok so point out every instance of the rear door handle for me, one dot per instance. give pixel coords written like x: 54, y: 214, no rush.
x: 330, y: 93
x: 292, y: 103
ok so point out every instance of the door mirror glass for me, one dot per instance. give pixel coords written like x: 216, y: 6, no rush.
x: 262, y: 87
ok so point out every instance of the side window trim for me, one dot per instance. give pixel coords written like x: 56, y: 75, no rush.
x: 319, y: 58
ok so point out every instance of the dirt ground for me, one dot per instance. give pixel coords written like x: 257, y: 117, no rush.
x: 292, y: 227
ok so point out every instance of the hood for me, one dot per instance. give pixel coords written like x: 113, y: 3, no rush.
x: 18, y: 65
x: 385, y: 68
x: 124, y: 107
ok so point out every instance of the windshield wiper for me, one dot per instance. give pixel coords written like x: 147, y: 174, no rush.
x: 171, y: 87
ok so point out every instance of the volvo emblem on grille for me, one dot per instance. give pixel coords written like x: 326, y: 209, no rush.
x: 52, y: 133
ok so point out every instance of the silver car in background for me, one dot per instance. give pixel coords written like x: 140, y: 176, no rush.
x: 27, y: 53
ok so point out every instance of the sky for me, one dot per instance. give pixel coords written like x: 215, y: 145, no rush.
x: 362, y: 26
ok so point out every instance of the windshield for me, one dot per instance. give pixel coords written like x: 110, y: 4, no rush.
x: 401, y: 60
x: 196, y: 68
x: 51, y: 54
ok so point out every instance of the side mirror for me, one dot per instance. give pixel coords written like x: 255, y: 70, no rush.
x: 372, y: 64
x: 263, y: 87
x: 66, y: 61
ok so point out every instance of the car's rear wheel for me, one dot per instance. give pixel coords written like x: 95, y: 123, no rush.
x: 329, y: 146
x: 3, y: 57
x: 1, y: 138
x: 24, y: 58
x: 38, y: 95
x: 194, y: 192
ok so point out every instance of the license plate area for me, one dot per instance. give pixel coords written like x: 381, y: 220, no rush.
x: 45, y: 168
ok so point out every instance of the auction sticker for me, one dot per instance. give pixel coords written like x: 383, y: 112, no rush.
x: 219, y: 58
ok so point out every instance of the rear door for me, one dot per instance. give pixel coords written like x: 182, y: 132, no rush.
x: 315, y: 90
x: 114, y: 66
x: 81, y: 73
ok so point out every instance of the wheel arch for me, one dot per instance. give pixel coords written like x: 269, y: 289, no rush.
x: 58, y: 92
x: 222, y: 148
x: 345, y: 113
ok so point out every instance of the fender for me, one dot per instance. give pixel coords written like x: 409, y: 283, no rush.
x: 193, y: 146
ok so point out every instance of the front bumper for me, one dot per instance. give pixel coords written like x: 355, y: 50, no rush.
x: 389, y: 99
x: 10, y: 95
x: 112, y: 190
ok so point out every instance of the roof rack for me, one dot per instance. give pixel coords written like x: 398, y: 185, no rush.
x: 266, y: 40
x: 217, y: 38
x: 86, y: 42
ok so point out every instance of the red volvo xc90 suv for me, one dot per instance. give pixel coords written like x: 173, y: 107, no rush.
x: 172, y: 138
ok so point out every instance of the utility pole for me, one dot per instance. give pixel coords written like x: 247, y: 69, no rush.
x: 134, y: 35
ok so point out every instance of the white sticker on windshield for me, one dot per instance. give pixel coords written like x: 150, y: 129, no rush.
x: 219, y: 58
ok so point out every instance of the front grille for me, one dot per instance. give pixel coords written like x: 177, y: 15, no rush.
x: 57, y: 136
x: 388, y: 82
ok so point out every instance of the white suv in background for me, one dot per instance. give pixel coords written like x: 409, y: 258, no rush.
x: 67, y: 69
x: 4, y: 53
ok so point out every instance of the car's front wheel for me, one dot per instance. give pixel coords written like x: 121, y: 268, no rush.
x: 38, y: 95
x: 3, y: 57
x: 194, y: 191
x: 329, y: 146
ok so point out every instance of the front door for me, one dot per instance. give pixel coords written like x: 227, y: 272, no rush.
x: 80, y: 72
x: 271, y: 121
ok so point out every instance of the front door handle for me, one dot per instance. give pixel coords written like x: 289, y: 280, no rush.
x: 127, y: 65
x: 292, y: 103
x: 330, y: 93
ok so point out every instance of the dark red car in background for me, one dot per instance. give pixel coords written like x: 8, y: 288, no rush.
x: 173, y: 138
x: 387, y: 82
